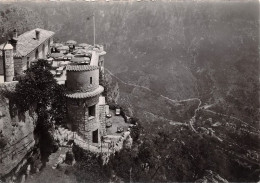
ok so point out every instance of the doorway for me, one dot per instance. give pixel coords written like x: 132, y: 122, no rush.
x: 95, y: 136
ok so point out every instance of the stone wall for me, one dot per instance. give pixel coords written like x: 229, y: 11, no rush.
x: 79, y: 119
x: 95, y: 157
x: 102, y: 118
x: 16, y: 132
x: 79, y: 81
x: 75, y: 113
x: 18, y: 65
x: 82, y: 148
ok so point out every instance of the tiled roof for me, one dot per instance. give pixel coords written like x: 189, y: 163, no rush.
x: 96, y: 92
x: 81, y: 67
x: 27, y: 41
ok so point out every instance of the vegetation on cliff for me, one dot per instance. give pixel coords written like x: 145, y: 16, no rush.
x: 37, y: 87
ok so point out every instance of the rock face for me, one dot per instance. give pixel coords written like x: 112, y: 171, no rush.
x: 211, y: 177
x: 16, y: 133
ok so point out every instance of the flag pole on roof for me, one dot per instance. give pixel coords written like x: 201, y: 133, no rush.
x: 94, y: 28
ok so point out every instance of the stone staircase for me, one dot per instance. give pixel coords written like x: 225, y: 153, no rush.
x: 111, y: 143
x: 64, y: 136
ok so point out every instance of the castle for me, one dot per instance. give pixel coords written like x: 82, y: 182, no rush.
x: 86, y: 111
x: 91, y: 125
x: 86, y: 107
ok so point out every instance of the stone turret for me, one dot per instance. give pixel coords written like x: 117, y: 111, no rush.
x: 8, y: 62
x: 82, y: 99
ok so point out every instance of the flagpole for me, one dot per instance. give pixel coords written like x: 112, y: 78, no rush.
x: 94, y: 29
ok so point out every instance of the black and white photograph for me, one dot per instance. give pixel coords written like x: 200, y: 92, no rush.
x: 129, y: 91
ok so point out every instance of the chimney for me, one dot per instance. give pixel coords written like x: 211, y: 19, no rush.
x: 14, y: 40
x: 37, y: 33
x: 15, y: 33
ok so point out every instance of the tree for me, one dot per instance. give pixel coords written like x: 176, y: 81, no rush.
x: 38, y: 87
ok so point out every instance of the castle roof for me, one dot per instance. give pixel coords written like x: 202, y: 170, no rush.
x: 81, y: 67
x: 27, y: 41
x: 79, y: 95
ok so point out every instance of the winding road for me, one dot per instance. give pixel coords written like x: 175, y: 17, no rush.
x: 143, y: 87
x: 192, y: 120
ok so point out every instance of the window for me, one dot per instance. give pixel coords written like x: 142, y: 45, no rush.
x: 78, y: 103
x: 90, y: 80
x: 91, y: 111
x: 28, y: 62
x: 95, y: 136
x: 43, y: 51
x: 36, y: 54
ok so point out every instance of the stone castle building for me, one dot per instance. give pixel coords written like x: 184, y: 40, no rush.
x: 27, y: 47
x: 85, y: 105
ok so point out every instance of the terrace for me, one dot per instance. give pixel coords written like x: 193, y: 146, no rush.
x: 116, y: 121
x: 81, y: 54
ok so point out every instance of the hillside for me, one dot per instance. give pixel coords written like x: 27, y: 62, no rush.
x: 207, y: 49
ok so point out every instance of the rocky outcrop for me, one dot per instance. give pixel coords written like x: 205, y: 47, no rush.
x: 16, y: 133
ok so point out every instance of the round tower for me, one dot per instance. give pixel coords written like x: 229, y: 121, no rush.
x: 82, y: 99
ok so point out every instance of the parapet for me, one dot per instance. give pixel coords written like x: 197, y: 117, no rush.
x: 82, y: 67
x: 81, y: 95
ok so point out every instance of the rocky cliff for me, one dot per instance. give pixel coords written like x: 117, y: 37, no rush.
x: 16, y: 132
